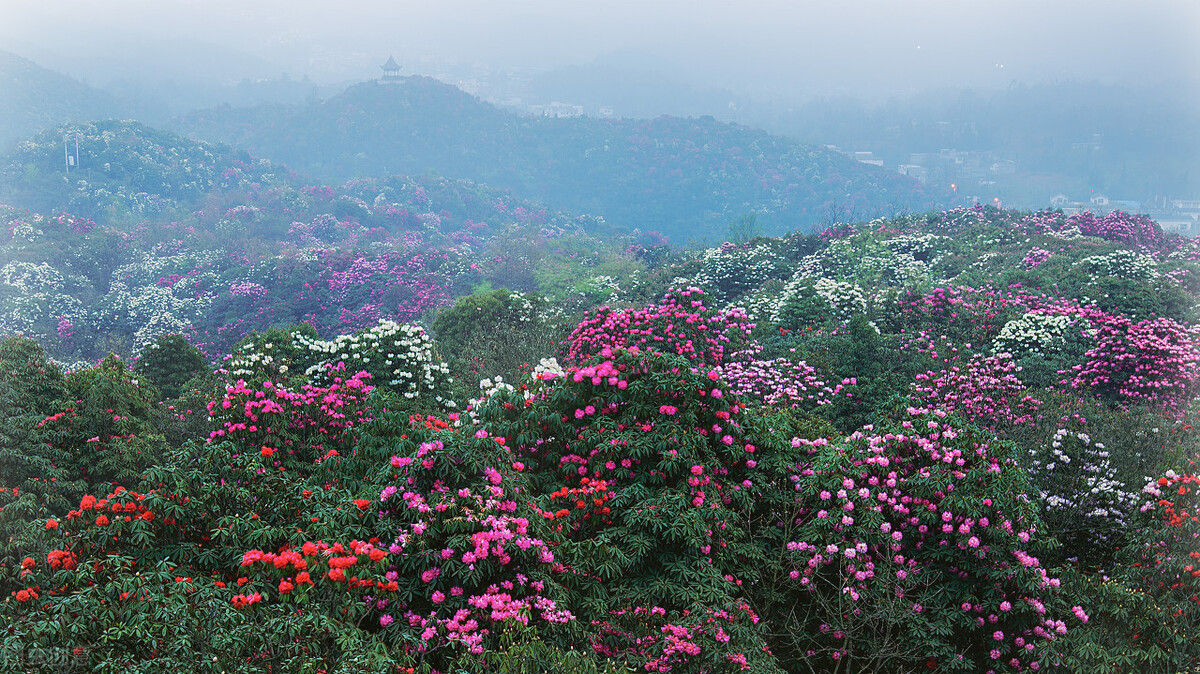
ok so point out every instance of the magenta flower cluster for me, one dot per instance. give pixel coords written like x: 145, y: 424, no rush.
x: 985, y: 390
x: 682, y: 323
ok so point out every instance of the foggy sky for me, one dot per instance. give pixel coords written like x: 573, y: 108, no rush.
x: 789, y: 50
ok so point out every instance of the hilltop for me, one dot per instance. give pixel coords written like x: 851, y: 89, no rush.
x: 122, y: 170
x: 686, y: 177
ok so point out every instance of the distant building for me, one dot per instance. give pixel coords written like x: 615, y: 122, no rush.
x: 391, y: 71
x: 1004, y: 167
x: 1100, y: 200
x: 1094, y: 144
x: 868, y: 158
x: 558, y: 109
x: 914, y: 171
x: 1176, y: 215
x: 1178, y: 224
x: 1059, y: 200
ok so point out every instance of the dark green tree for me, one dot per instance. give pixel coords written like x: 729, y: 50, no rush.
x: 169, y: 363
x: 743, y: 229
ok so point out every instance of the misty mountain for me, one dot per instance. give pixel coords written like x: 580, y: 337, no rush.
x: 1076, y: 137
x: 687, y: 178
x: 157, y: 101
x: 127, y: 173
x: 33, y: 98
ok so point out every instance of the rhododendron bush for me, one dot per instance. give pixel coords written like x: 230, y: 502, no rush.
x: 1156, y: 362
x: 931, y: 518
x: 642, y: 465
x: 684, y: 322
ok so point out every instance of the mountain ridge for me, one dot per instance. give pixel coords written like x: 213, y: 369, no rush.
x: 686, y: 177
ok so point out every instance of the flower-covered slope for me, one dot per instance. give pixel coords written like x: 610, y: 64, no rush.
x: 153, y: 234
x: 961, y: 442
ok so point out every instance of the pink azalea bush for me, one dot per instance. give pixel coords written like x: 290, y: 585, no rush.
x: 985, y: 390
x: 778, y: 383
x: 469, y: 560
x: 920, y: 526
x: 682, y: 323
x: 1153, y: 362
x: 292, y: 427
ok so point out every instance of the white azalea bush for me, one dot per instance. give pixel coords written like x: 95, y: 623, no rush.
x: 151, y: 296
x: 547, y: 370
x: 1033, y: 333
x: 760, y: 306
x: 31, y: 277
x: 131, y: 308
x: 158, y: 326
x: 489, y: 388
x: 598, y: 289
x: 1045, y: 346
x: 35, y: 314
x: 808, y: 301
x: 871, y: 260
x: 1124, y: 264
x: 32, y: 298
x: 730, y: 271
x: 928, y: 248
x: 1083, y: 500
x: 274, y: 354
x: 400, y: 358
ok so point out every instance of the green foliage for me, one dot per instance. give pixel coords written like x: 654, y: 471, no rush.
x: 23, y: 363
x: 169, y: 363
x: 743, y: 229
x: 31, y: 476
x: 1130, y: 630
x: 873, y: 367
x: 499, y: 332
x: 804, y: 308
x: 628, y: 513
x: 102, y: 432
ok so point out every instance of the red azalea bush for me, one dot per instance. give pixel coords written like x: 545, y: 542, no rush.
x: 1146, y: 609
x: 1169, y: 558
